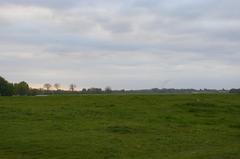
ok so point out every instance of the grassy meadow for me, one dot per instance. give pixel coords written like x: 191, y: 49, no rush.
x: 120, y: 127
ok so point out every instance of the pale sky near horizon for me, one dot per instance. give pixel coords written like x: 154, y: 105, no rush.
x: 129, y: 44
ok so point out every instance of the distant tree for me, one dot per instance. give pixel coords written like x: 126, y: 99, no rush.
x: 84, y: 90
x: 122, y: 90
x: 72, y: 87
x: 21, y: 88
x: 47, y: 86
x: 94, y: 90
x: 108, y: 89
x: 234, y: 91
x: 57, y: 86
x: 6, y: 89
x: 34, y: 92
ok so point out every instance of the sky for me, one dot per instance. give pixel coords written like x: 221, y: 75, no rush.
x: 127, y: 44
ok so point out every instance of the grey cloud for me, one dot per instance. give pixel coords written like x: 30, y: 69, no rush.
x: 45, y: 3
x: 121, y: 42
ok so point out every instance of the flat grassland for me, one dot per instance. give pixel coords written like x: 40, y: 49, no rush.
x: 120, y: 127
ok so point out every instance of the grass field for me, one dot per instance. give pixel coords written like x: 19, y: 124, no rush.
x: 120, y: 127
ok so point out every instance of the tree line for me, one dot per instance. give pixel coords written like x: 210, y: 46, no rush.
x: 235, y: 90
x: 9, y: 89
x: 56, y: 89
x: 23, y: 89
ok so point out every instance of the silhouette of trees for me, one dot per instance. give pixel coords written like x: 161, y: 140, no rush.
x: 72, y: 87
x: 47, y: 86
x: 57, y: 86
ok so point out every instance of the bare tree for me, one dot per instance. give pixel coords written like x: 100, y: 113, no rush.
x: 47, y: 86
x: 57, y: 86
x: 72, y: 87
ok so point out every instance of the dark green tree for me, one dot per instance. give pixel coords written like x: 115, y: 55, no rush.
x: 21, y: 88
x: 6, y: 89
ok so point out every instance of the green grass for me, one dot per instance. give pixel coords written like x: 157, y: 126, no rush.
x: 120, y: 127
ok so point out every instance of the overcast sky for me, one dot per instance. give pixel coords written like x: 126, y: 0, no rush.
x: 130, y: 44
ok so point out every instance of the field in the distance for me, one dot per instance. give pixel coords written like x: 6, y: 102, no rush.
x: 120, y: 127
